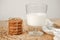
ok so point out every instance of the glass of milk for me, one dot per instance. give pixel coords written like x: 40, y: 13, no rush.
x: 36, y: 16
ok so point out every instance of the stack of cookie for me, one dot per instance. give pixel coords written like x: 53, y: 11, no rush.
x: 15, y: 26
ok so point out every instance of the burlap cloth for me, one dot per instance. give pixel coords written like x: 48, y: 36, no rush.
x: 25, y: 36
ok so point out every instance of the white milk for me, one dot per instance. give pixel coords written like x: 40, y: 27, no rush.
x: 36, y: 19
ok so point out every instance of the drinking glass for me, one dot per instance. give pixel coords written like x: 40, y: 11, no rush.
x: 36, y: 17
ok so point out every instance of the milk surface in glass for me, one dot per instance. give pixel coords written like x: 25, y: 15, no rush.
x: 36, y: 19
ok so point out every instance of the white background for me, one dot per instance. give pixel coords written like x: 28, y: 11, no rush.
x: 16, y: 8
